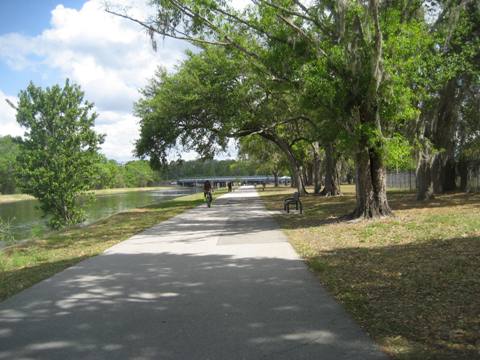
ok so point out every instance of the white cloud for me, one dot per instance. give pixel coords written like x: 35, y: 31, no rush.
x: 8, y: 122
x: 121, y: 130
x: 111, y: 58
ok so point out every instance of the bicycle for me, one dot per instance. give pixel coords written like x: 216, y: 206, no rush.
x: 208, y: 198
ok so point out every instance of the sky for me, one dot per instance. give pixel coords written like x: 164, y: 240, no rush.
x: 47, y: 41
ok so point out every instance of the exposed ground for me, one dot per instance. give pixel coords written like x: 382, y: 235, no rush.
x: 412, y: 281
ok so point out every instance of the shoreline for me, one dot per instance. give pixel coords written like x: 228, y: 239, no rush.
x: 26, y: 263
x: 11, y: 198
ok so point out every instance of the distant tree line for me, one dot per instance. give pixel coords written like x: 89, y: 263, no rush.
x: 109, y: 174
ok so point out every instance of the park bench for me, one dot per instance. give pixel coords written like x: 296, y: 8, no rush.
x: 293, y: 200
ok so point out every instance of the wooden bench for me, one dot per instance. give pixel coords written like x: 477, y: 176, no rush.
x: 293, y: 200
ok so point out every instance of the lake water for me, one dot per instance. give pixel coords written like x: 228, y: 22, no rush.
x: 26, y: 218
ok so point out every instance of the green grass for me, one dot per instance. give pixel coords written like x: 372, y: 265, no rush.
x: 14, y: 198
x: 411, y: 281
x: 23, y: 265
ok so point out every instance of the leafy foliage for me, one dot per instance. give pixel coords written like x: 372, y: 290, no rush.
x: 6, y: 232
x: 206, y: 168
x: 265, y: 155
x: 9, y: 150
x: 59, y: 150
x: 399, y: 154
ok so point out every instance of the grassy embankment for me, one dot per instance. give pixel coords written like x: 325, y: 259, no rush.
x: 8, y: 198
x: 412, y: 281
x: 28, y: 263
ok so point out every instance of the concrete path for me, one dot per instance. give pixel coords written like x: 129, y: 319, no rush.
x: 219, y: 283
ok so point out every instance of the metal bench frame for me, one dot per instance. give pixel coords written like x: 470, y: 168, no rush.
x: 293, y: 200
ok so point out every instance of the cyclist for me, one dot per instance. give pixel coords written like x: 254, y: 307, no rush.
x: 207, y: 188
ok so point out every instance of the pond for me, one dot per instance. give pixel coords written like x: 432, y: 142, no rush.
x: 26, y: 218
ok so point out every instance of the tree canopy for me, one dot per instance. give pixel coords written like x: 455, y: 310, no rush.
x: 59, y: 149
x: 372, y: 81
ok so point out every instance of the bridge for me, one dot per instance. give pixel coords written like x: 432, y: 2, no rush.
x: 223, y: 180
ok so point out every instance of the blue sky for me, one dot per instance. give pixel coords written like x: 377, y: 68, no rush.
x: 47, y: 41
x: 30, y: 18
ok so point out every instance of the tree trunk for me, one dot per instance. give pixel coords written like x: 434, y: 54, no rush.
x: 306, y: 172
x: 371, y: 185
x: 443, y: 127
x: 443, y: 173
x: 295, y: 167
x: 332, y: 178
x: 424, y: 181
x: 317, y: 176
x: 463, y: 172
x: 449, y: 175
x: 298, y: 176
x: 424, y: 177
x: 275, y: 176
x: 293, y: 182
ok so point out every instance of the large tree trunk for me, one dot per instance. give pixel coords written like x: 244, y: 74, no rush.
x: 442, y: 132
x: 423, y: 176
x: 371, y: 185
x: 332, y: 178
x: 449, y: 175
x: 424, y: 181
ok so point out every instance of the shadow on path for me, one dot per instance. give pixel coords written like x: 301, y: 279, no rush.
x: 219, y: 283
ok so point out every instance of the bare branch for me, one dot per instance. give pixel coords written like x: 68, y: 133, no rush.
x: 228, y: 42
x: 173, y: 36
x: 286, y: 11
x: 249, y: 24
x: 377, y: 61
x: 12, y: 105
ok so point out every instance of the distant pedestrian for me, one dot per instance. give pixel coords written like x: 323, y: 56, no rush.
x: 229, y: 186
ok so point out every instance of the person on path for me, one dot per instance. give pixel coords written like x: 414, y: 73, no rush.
x: 207, y: 187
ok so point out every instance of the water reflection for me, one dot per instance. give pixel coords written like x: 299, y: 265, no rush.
x: 27, y: 218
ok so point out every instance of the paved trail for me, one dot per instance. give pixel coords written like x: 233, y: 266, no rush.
x: 220, y: 283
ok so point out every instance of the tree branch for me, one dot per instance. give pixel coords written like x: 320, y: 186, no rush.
x: 12, y: 105
x: 377, y: 61
x: 173, y: 36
